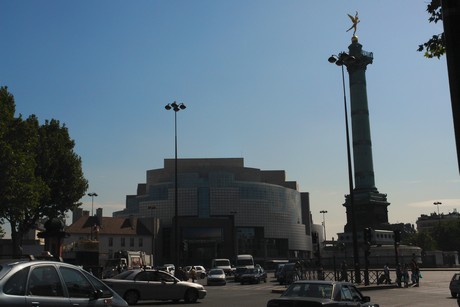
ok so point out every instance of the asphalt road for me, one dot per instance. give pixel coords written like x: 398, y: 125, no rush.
x: 433, y: 291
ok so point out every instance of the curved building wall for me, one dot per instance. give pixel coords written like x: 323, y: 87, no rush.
x: 256, y: 203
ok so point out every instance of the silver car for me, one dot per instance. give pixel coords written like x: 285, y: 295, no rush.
x: 51, y: 283
x: 140, y: 284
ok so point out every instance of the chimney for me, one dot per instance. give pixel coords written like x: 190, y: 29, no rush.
x: 99, y: 216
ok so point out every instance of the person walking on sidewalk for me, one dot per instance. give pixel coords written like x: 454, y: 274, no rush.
x: 386, y: 272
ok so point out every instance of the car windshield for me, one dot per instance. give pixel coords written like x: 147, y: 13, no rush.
x: 250, y: 271
x: 309, y: 290
x: 216, y: 272
x: 222, y: 263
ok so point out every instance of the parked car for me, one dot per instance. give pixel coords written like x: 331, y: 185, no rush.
x: 454, y: 285
x: 199, y: 269
x: 139, y: 284
x: 252, y: 276
x: 216, y: 277
x: 170, y: 268
x: 321, y: 293
x: 52, y: 283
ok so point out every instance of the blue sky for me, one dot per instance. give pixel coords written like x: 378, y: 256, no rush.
x: 257, y: 84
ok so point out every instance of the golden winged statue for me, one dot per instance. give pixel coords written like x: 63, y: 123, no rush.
x: 355, y: 21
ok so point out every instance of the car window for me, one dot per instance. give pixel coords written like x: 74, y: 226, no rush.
x: 165, y: 277
x: 76, y: 283
x: 100, y: 286
x: 345, y: 294
x: 294, y: 290
x: 123, y: 275
x: 355, y: 294
x: 44, y: 281
x: 16, y: 284
x: 143, y: 276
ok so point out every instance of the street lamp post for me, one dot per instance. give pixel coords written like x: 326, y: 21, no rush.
x: 92, y: 195
x: 324, y: 222
x: 176, y: 108
x: 342, y: 60
x: 437, y: 203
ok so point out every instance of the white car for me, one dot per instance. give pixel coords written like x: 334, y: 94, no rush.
x: 138, y: 285
x: 199, y: 269
x: 216, y: 277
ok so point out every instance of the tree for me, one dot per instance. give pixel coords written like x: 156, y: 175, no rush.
x: 41, y: 175
x: 422, y: 239
x: 436, y: 45
x: 447, y: 234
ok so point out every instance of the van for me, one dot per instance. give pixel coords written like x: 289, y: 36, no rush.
x: 223, y: 264
x: 246, y: 261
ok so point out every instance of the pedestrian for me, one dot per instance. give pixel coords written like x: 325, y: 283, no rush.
x: 298, y: 270
x: 193, y: 273
x: 415, y: 270
x: 406, y: 275
x: 386, y: 272
x: 344, y: 271
x: 399, y: 275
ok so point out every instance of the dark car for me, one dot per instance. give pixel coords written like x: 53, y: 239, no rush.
x: 288, y: 274
x: 278, y: 270
x: 321, y: 293
x: 149, y: 284
x: 52, y: 283
x: 238, y: 272
x: 454, y: 285
x: 252, y: 276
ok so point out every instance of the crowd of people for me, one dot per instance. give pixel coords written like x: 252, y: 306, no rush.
x: 408, y: 274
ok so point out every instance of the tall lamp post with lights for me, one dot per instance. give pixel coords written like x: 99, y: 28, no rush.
x: 92, y: 195
x: 324, y: 222
x: 341, y: 60
x: 176, y: 107
x: 437, y: 203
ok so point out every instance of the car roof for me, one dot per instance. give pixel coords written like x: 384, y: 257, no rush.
x: 322, y: 282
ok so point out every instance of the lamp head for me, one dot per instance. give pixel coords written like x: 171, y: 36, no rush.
x: 332, y: 59
x: 182, y: 106
x: 168, y: 107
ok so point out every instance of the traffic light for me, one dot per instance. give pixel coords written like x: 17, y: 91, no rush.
x: 368, y: 236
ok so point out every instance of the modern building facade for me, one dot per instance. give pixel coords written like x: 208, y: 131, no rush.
x: 224, y: 209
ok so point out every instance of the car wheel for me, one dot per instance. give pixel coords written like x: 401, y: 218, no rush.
x: 454, y: 294
x: 131, y: 297
x: 191, y: 296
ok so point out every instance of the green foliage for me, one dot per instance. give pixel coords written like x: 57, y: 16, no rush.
x: 422, y: 239
x: 444, y: 236
x: 447, y: 234
x: 435, y: 46
x: 41, y: 174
